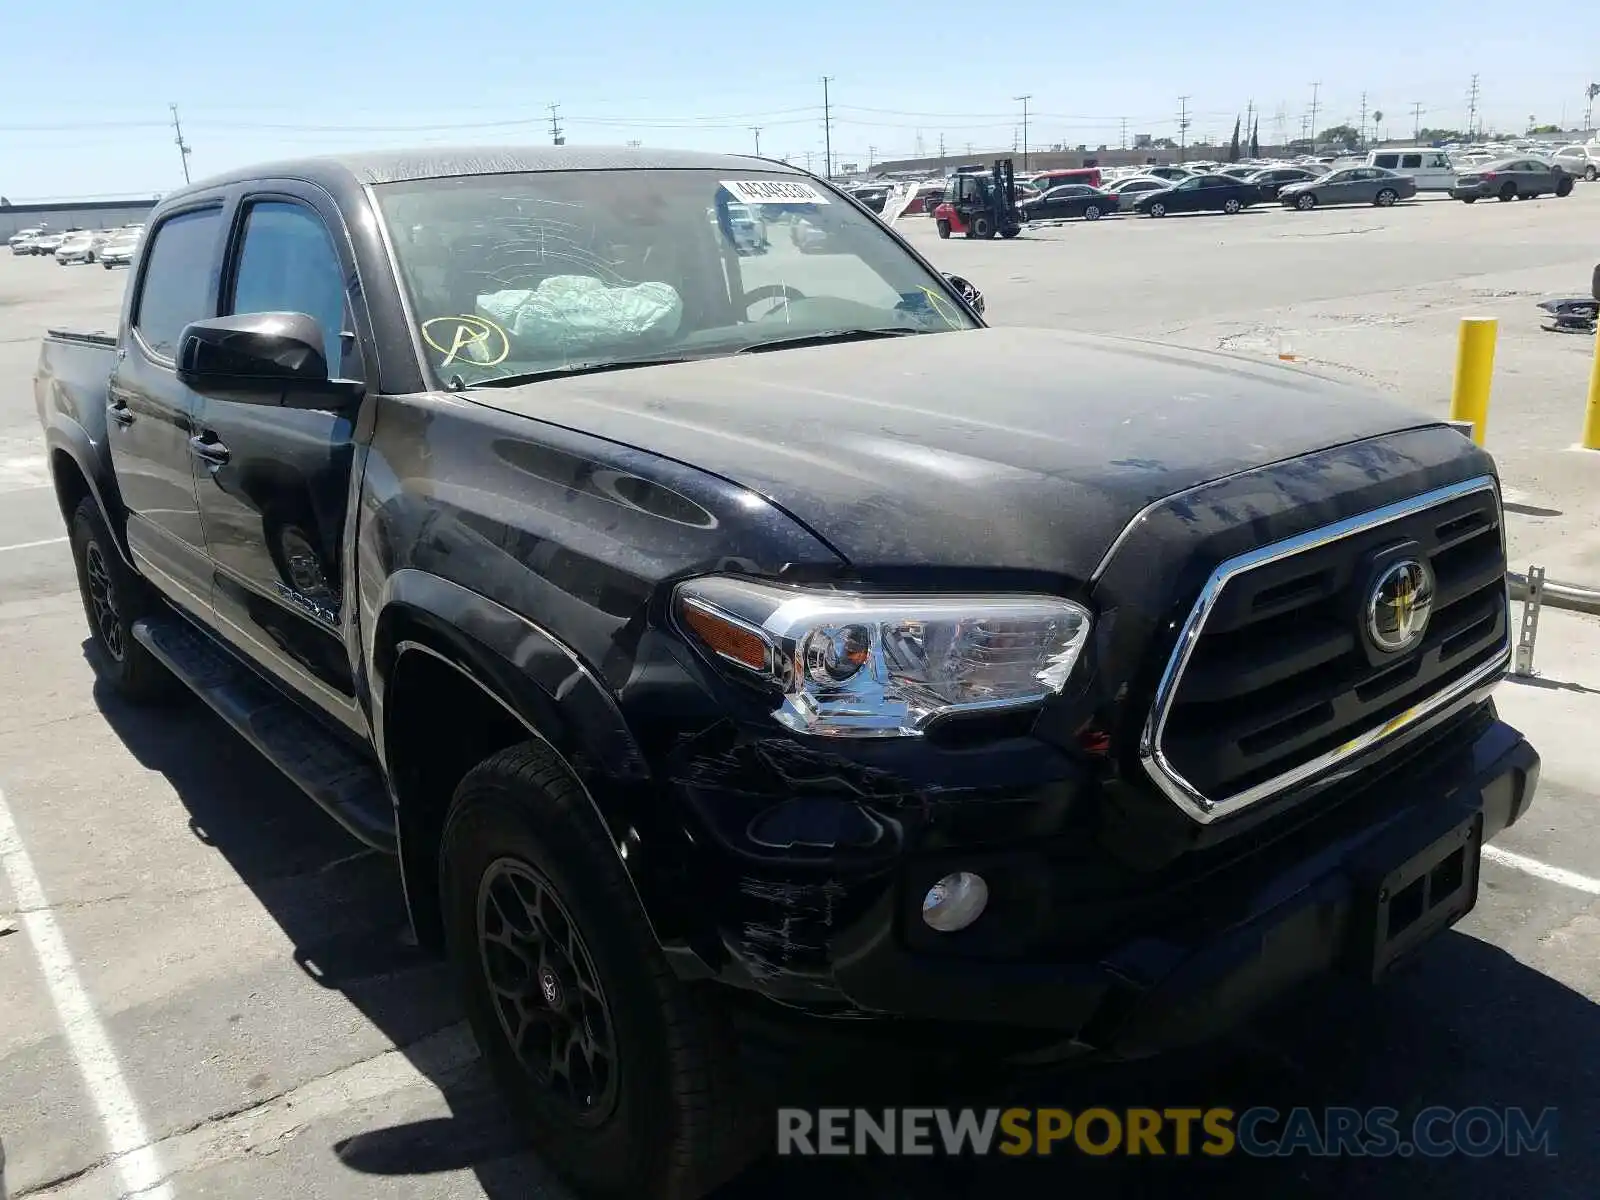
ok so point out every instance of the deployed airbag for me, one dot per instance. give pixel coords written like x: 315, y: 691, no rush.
x: 578, y: 312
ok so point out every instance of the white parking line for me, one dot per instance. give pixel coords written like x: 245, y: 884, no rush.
x: 1539, y: 870
x: 30, y: 545
x: 126, y: 1137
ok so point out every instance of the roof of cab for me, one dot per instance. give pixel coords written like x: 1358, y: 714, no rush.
x: 397, y: 166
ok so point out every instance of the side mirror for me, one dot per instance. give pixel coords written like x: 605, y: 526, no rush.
x: 254, y: 351
x: 970, y: 294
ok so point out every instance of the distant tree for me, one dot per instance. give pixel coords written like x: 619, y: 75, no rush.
x: 1545, y: 129
x: 1341, y: 135
x: 1377, y: 124
x: 1443, y: 135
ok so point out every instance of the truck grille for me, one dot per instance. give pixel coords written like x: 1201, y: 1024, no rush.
x: 1276, y: 676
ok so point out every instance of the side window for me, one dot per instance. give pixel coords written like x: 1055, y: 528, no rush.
x: 177, y: 278
x: 287, y: 263
x: 1387, y: 161
x: 1411, y: 160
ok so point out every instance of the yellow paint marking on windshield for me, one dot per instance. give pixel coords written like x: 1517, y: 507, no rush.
x: 942, y: 306
x: 473, y: 339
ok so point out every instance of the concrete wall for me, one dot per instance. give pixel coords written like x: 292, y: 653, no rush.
x: 87, y: 214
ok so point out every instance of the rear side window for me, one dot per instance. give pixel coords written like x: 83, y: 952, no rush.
x: 1387, y: 161
x: 176, y: 288
x: 1411, y: 160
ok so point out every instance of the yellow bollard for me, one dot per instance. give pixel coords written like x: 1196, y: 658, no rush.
x: 1591, y: 414
x: 1474, y: 372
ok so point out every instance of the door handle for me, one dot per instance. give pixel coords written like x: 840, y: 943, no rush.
x: 119, y: 412
x: 213, y: 453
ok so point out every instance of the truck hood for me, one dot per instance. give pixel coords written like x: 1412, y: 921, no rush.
x: 1016, y: 449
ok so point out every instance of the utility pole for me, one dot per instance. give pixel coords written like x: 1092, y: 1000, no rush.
x: 1363, y: 118
x: 1024, y: 100
x: 1183, y: 127
x: 1124, y: 133
x: 1316, y: 88
x: 183, y: 146
x: 756, y: 129
x: 1249, y: 115
x: 969, y: 149
x: 1472, y: 107
x: 1416, y: 121
x: 557, y: 138
x: 1305, y: 124
x: 941, y: 153
x: 808, y: 160
x: 827, y: 128
x: 872, y: 156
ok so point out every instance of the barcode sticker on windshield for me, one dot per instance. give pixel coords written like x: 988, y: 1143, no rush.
x: 773, y: 191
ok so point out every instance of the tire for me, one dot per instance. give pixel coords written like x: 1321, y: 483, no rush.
x: 1591, y: 173
x: 669, y: 1120
x: 1091, y: 212
x: 1157, y: 209
x: 1386, y: 198
x: 113, y: 599
x: 1232, y: 207
x: 944, y: 228
x: 106, y: 265
x: 1011, y: 232
x: 1305, y: 202
x: 1507, y: 193
x: 1469, y: 199
x: 980, y: 227
x: 1564, y: 186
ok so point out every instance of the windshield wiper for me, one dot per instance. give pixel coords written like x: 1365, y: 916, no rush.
x: 829, y: 336
x: 587, y: 368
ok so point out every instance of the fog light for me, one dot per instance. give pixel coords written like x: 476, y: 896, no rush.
x: 955, y: 902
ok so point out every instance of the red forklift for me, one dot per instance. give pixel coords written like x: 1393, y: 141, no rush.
x: 980, y: 203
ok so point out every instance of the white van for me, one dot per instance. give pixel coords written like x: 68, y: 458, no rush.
x: 1429, y: 167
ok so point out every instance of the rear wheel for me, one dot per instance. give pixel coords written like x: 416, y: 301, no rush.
x: 1305, y: 202
x: 113, y: 599
x: 1091, y: 212
x: 1508, y: 193
x: 1386, y: 198
x: 1591, y: 173
x: 1469, y: 199
x: 1564, y: 186
x: 1231, y: 207
x: 625, y: 1077
x: 944, y: 228
x: 981, y: 227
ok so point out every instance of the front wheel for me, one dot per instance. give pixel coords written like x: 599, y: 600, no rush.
x: 1231, y: 207
x: 981, y: 227
x: 1306, y: 202
x: 1386, y: 198
x: 1158, y: 209
x: 944, y: 228
x: 113, y: 599
x: 1591, y: 173
x: 1091, y: 212
x: 624, y: 1076
x: 1469, y: 199
x: 1564, y: 186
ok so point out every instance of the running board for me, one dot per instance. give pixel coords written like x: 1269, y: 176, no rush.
x: 332, y: 773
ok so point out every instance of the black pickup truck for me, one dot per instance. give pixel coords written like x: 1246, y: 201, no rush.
x: 718, y: 636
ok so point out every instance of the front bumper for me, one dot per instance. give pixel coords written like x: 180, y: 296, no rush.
x: 1307, y: 905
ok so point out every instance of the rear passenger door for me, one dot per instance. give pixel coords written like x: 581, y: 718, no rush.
x: 150, y: 414
x: 274, y: 482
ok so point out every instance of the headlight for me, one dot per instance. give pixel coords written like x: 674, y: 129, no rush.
x: 859, y: 665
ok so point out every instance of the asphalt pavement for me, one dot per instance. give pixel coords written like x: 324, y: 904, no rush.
x: 207, y: 988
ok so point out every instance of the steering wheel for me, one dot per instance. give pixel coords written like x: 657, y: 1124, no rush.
x: 772, y: 291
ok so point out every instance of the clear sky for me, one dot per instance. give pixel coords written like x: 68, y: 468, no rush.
x: 85, y: 84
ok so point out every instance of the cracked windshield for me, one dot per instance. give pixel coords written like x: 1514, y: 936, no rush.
x: 526, y: 273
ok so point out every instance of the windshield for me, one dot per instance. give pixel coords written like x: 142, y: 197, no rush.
x: 518, y: 274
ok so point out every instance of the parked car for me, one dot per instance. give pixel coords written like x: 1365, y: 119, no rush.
x: 1199, y: 193
x: 749, y: 230
x: 799, y: 651
x: 1513, y: 179
x: 79, y: 246
x: 119, y: 248
x: 1581, y: 159
x: 47, y: 243
x: 1070, y: 200
x: 1349, y: 185
x: 22, y: 241
x: 1125, y: 190
x: 1272, y: 179
x: 1173, y: 174
x: 1429, y: 168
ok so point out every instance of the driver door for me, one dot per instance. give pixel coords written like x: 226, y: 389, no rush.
x: 273, y: 482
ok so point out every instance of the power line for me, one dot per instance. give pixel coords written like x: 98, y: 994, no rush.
x: 183, y: 146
